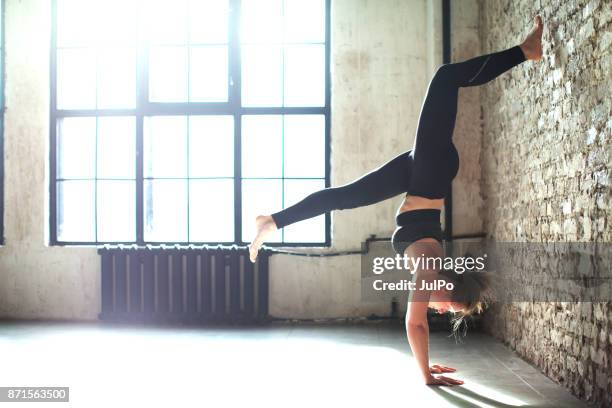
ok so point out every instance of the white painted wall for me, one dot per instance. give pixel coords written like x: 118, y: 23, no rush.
x: 36, y: 281
x: 383, y: 54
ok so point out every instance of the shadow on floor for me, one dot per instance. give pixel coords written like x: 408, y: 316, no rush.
x: 460, y: 397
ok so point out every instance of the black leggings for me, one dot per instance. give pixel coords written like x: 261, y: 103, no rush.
x: 428, y: 169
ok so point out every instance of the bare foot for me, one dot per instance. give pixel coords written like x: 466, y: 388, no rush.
x: 265, y: 226
x: 532, y: 45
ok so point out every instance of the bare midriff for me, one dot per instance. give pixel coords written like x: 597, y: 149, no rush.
x: 420, y: 203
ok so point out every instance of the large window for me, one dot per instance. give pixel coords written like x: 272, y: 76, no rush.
x: 179, y: 121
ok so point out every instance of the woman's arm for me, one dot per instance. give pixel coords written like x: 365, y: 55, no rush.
x: 417, y: 330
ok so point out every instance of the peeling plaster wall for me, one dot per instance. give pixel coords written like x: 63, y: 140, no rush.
x: 547, y: 160
x: 36, y: 281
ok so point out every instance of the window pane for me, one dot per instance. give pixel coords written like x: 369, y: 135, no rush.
x: 168, y: 74
x: 208, y: 74
x: 211, y: 210
x: 208, y: 21
x: 87, y: 22
x: 261, y: 21
x: 305, y: 75
x: 165, y: 146
x: 117, y: 78
x: 76, y: 23
x: 211, y: 146
x: 75, y: 211
x: 165, y: 209
x: 259, y: 197
x: 188, y: 161
x: 313, y: 229
x: 116, y: 211
x: 117, y: 21
x: 76, y: 148
x: 262, y: 146
x: 166, y: 21
x: 304, y: 146
x: 116, y: 147
x: 76, y: 79
x: 304, y: 21
x: 262, y: 75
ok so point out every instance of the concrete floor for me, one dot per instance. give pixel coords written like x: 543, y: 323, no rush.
x: 281, y: 365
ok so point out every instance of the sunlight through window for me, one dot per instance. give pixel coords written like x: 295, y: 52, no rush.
x: 167, y: 114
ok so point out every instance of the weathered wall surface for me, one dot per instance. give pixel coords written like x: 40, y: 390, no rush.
x: 546, y: 168
x: 467, y: 197
x: 36, y: 281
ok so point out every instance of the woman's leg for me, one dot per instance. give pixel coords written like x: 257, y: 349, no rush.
x: 435, y: 158
x: 398, y: 175
x: 439, y: 109
x: 389, y: 180
x: 437, y: 119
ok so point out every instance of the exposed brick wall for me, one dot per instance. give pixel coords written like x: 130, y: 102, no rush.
x: 546, y: 165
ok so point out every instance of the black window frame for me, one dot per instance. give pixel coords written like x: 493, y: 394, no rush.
x: 146, y: 108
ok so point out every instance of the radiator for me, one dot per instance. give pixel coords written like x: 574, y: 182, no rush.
x: 186, y: 285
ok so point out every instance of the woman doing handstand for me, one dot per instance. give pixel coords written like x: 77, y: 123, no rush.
x: 425, y: 174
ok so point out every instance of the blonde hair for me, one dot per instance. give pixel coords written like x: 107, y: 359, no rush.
x: 472, y: 289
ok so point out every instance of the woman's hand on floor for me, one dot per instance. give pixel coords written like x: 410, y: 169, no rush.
x: 442, y: 380
x: 440, y: 369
